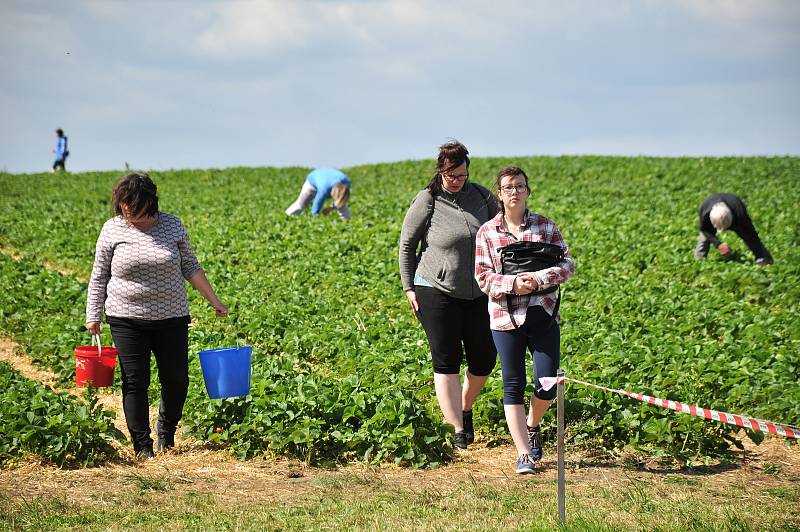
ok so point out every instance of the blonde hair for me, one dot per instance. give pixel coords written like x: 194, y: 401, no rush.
x: 721, y: 216
x: 340, y: 194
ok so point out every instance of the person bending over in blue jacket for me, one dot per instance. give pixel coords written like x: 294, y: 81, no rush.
x: 321, y: 184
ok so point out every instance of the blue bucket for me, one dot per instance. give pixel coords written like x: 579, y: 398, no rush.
x: 226, y: 371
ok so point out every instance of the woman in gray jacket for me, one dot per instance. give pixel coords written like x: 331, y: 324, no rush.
x: 437, y: 262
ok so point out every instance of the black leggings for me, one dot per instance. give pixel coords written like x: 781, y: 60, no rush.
x: 168, y: 340
x: 449, y: 322
x: 542, y: 336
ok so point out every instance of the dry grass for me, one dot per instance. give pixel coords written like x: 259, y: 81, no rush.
x: 191, y: 467
x: 22, y: 363
x: 619, y: 487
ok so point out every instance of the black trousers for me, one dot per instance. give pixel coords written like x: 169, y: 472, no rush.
x: 451, y: 322
x: 168, y: 340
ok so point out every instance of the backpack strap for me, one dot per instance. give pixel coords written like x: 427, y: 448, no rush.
x: 485, y: 198
x: 424, y: 244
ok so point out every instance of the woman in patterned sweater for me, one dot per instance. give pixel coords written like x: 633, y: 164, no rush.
x: 141, y: 261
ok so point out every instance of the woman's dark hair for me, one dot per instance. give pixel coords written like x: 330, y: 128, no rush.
x: 60, y: 132
x: 451, y: 155
x: 138, y: 192
x: 509, y: 171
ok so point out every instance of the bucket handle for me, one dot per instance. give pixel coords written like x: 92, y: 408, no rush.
x: 96, y: 338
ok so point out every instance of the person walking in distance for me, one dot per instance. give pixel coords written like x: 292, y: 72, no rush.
x: 61, y: 150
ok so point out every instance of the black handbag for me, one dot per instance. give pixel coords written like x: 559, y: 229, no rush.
x: 526, y: 257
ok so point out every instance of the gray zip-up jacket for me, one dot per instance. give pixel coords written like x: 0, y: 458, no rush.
x: 447, y: 260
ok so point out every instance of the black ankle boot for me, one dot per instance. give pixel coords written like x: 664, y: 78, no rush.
x: 468, y: 429
x: 165, y: 441
x: 460, y: 440
x: 144, y: 452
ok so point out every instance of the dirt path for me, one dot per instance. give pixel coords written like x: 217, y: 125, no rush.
x: 194, y: 468
x: 23, y: 364
x: 110, y: 399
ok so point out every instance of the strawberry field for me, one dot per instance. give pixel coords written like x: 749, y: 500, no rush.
x: 340, y: 367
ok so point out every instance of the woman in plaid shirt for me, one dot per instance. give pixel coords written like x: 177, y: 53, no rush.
x: 533, y: 325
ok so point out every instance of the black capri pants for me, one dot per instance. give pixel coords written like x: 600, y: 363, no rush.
x: 168, y: 340
x: 540, y: 334
x: 451, y: 322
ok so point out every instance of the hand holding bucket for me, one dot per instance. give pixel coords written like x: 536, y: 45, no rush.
x: 95, y: 364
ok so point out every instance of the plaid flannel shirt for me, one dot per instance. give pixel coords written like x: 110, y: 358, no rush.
x: 494, y: 235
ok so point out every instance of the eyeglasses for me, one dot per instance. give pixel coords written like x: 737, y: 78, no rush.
x: 462, y: 177
x: 509, y: 189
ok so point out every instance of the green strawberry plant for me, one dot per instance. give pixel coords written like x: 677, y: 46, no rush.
x: 340, y: 365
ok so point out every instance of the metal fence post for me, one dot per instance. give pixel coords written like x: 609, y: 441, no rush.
x: 560, y: 416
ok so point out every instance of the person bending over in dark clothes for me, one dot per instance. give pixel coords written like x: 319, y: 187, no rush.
x: 725, y: 211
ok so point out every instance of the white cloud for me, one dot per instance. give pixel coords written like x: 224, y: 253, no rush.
x: 241, y: 30
x: 244, y: 29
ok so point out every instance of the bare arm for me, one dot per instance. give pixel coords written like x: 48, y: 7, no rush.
x: 101, y: 274
x: 201, y: 284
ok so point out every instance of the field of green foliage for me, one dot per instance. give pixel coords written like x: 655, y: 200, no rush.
x: 340, y: 368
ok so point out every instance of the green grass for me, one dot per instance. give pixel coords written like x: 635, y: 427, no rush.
x: 516, y: 505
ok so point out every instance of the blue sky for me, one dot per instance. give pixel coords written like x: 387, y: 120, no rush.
x: 310, y: 83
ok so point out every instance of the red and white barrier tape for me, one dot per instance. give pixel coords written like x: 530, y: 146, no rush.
x: 787, y: 431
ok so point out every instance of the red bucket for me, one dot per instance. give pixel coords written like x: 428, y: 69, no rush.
x: 97, y: 368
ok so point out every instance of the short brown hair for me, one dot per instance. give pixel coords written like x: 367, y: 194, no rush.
x: 451, y: 155
x: 138, y: 193
x: 510, y: 171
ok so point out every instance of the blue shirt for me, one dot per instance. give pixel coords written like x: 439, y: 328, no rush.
x: 61, y: 147
x: 324, y: 179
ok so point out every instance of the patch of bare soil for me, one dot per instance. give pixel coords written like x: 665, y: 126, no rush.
x: 23, y: 364
x: 47, y: 264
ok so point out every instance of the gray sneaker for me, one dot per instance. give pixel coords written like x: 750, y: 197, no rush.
x: 525, y: 465
x: 535, y: 442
